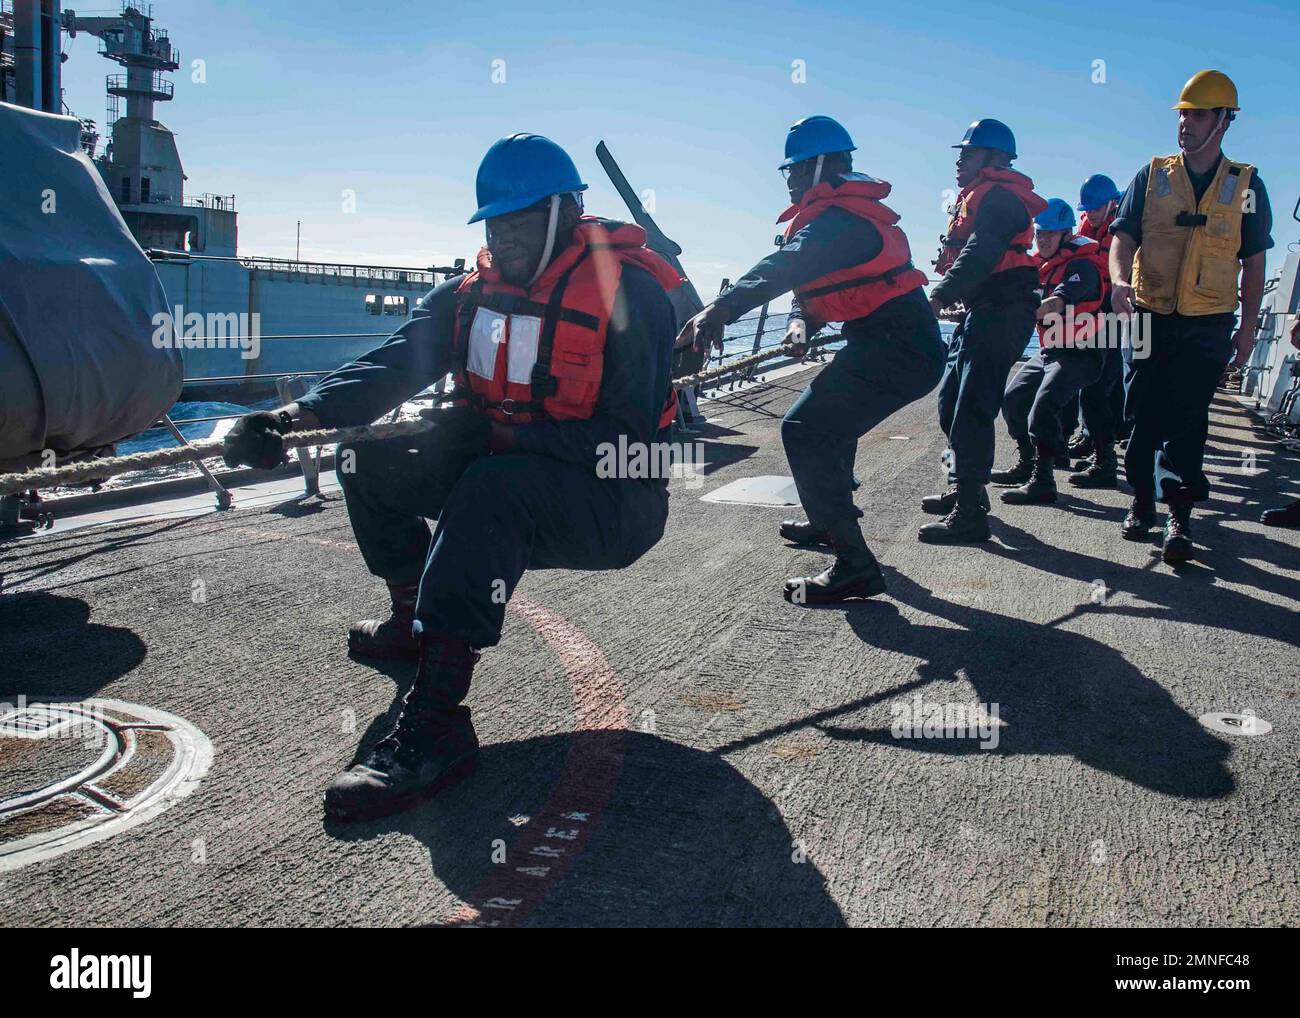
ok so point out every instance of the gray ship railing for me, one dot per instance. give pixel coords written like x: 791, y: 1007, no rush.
x: 344, y: 270
x: 222, y: 202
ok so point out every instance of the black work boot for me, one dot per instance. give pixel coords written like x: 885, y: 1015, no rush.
x: 854, y: 573
x: 1287, y: 516
x: 968, y: 521
x: 804, y: 533
x: 1040, y: 489
x: 391, y: 638
x: 1102, y: 471
x: 430, y: 746
x: 1023, y: 467
x: 1081, y: 447
x: 1177, y: 547
x: 942, y: 505
x: 1140, y: 519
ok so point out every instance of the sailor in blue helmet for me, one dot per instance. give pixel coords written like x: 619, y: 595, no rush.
x: 560, y: 346
x: 846, y: 260
x: 1102, y: 402
x: 1071, y: 273
x: 989, y: 274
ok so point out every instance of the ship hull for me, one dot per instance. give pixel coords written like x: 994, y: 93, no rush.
x: 285, y: 321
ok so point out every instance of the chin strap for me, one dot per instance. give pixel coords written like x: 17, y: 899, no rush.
x: 551, y: 223
x: 1222, y: 115
x: 817, y: 172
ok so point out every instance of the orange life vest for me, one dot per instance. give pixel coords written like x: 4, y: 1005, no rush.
x: 1100, y: 232
x: 855, y: 292
x: 962, y: 223
x: 524, y: 355
x: 1082, y: 325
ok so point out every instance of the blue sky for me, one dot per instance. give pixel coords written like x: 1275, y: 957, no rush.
x: 397, y: 104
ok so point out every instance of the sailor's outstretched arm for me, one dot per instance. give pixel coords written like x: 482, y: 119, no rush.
x: 834, y: 240
x: 415, y: 356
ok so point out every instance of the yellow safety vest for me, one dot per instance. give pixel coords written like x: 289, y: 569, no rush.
x: 1187, y: 261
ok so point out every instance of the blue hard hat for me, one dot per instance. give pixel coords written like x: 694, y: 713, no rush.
x: 521, y: 170
x: 989, y: 133
x: 1057, y: 216
x: 1096, y: 191
x: 815, y: 136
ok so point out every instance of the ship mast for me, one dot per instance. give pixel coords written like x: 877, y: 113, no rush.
x: 142, y: 165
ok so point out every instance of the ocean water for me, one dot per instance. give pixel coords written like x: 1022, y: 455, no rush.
x: 161, y: 438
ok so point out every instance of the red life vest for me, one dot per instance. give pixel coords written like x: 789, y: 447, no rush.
x: 532, y: 354
x: 1083, y: 325
x: 855, y: 292
x: 1100, y: 232
x: 962, y: 223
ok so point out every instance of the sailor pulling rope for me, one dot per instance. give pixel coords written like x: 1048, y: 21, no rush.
x: 98, y: 469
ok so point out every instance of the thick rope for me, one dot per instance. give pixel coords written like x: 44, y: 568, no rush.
x: 98, y: 469
x: 739, y: 365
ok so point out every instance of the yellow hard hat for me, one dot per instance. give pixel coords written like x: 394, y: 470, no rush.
x: 1208, y: 90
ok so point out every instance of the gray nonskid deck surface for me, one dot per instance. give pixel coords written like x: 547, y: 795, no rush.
x: 751, y: 775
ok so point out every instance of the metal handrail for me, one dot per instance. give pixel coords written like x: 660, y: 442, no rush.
x: 217, y: 202
x: 241, y: 378
x: 159, y: 87
x: 327, y: 335
x: 159, y: 252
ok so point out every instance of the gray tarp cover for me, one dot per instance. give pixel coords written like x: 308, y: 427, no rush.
x: 77, y: 299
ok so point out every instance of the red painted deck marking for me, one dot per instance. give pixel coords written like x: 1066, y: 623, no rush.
x: 544, y: 849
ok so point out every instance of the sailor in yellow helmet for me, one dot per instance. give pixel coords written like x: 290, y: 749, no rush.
x: 1190, y: 227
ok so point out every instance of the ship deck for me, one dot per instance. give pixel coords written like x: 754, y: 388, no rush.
x: 675, y: 744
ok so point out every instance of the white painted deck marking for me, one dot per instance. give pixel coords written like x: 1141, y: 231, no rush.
x: 118, y: 722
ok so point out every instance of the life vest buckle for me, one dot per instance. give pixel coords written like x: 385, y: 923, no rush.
x: 1190, y: 219
x: 542, y: 382
x: 507, y: 406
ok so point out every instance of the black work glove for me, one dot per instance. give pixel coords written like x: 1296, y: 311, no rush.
x: 255, y: 441
x: 460, y: 429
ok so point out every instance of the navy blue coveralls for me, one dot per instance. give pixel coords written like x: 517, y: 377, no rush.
x: 891, y: 358
x: 992, y: 336
x: 1101, y: 403
x: 1052, y: 377
x: 1167, y: 393
x: 539, y: 506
